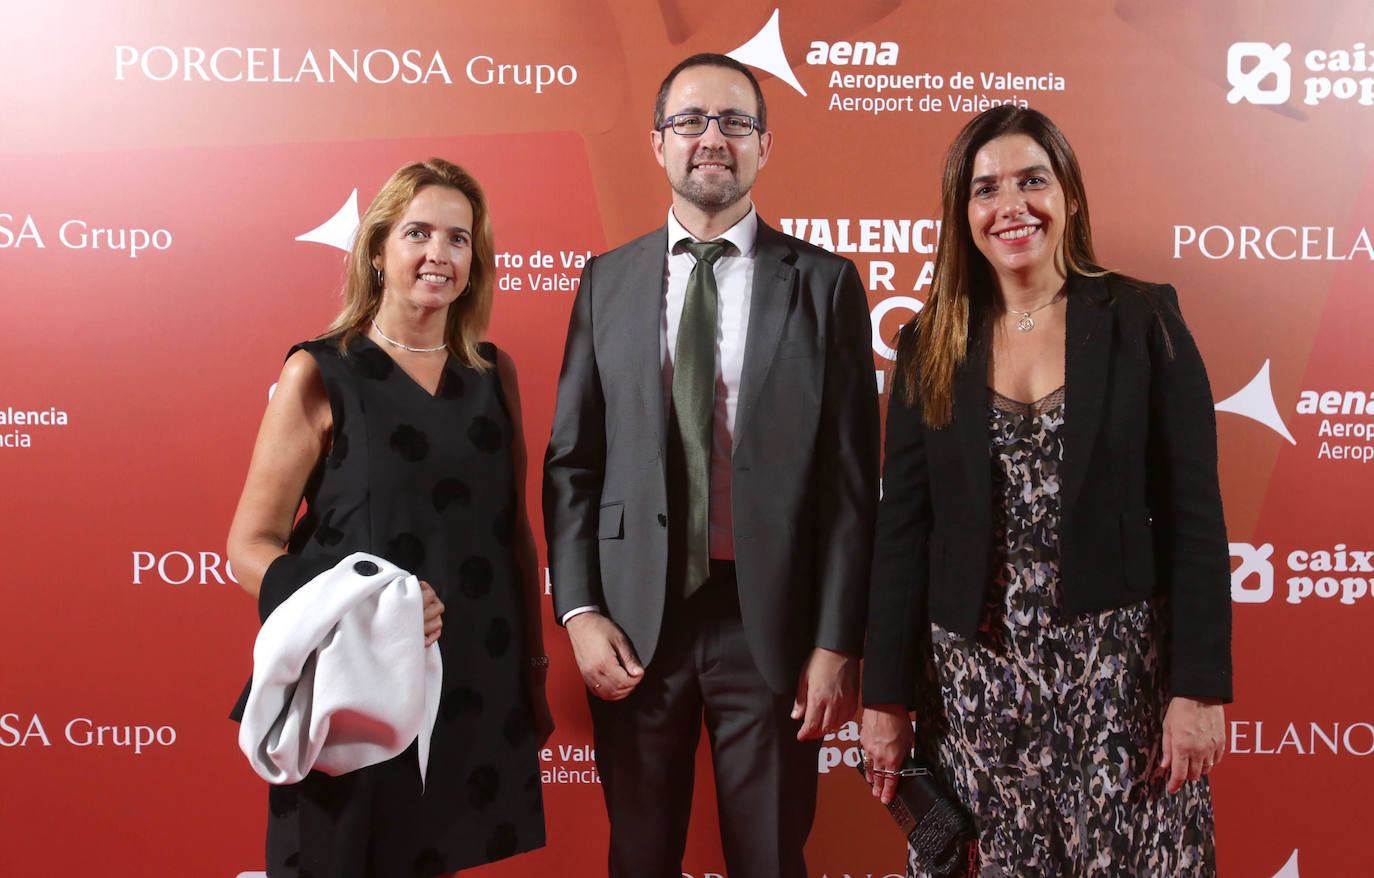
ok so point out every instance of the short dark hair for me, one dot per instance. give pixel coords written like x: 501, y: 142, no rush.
x: 709, y: 59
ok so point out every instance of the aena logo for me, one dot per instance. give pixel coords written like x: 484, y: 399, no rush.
x: 1254, y: 84
x: 339, y: 229
x: 1256, y: 402
x: 764, y: 51
x: 1252, y: 581
x: 1290, y: 868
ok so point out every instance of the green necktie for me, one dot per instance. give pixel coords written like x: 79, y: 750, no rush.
x: 694, y: 404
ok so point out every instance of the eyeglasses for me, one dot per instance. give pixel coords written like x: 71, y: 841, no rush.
x: 695, y: 124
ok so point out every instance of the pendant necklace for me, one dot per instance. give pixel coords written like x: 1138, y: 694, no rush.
x: 1024, y: 322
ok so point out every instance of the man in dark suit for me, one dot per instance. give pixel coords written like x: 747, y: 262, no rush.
x: 709, y: 494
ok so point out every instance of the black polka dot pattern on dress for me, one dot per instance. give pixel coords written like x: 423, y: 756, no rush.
x: 497, y: 639
x: 503, y: 526
x: 426, y: 482
x: 428, y: 864
x: 410, y: 443
x: 485, y: 434
x: 450, y: 491
x: 282, y: 800
x: 462, y: 702
x: 474, y: 577
x: 503, y: 842
x: 326, y: 534
x: 517, y: 726
x: 338, y: 450
x: 452, y: 385
x: 373, y: 363
x: 483, y: 785
x: 532, y: 786
x: 406, y: 551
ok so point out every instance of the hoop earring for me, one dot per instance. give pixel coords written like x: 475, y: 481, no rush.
x: 381, y: 279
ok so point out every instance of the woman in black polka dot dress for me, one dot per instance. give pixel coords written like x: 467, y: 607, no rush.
x: 401, y: 432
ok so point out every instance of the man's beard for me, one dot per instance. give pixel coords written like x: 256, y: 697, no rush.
x: 709, y: 196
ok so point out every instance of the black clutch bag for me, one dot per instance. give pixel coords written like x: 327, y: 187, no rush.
x: 938, y: 830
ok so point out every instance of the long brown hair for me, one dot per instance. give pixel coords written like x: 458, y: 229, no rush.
x: 470, y: 313
x: 961, y: 290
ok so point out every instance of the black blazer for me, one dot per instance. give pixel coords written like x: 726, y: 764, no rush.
x: 1141, y: 509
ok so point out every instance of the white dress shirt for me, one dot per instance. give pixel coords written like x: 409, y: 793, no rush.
x: 734, y: 272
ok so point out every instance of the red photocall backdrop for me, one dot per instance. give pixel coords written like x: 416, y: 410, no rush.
x: 175, y: 181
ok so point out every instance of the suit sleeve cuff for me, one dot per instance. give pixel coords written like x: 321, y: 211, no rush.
x: 577, y: 611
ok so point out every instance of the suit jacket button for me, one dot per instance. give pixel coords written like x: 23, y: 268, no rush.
x: 662, y: 520
x: 366, y: 568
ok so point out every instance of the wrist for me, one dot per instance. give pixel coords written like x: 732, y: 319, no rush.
x: 1202, y: 700
x: 888, y: 708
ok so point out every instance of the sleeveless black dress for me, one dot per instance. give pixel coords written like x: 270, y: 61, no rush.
x: 427, y: 483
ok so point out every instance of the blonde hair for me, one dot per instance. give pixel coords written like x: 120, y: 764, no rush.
x: 470, y: 314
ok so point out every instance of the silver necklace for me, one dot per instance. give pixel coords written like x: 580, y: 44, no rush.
x: 406, y: 347
x: 1023, y: 323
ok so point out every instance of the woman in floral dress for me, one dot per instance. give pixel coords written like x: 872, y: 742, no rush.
x: 1050, y: 588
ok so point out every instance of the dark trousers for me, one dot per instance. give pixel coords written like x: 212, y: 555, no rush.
x: 645, y: 746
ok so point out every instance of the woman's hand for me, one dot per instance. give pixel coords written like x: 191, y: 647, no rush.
x: 886, y: 738
x: 1194, y: 739
x: 434, y: 613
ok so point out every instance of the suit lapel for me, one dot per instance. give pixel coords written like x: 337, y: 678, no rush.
x: 643, y: 300
x: 1088, y: 347
x: 774, y: 275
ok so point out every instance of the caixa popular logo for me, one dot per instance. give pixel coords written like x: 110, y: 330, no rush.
x: 181, y: 568
x: 840, y: 747
x: 1262, y: 74
x: 1336, y: 574
x: 1252, y: 580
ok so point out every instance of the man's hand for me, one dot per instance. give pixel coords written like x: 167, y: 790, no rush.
x: 1194, y: 739
x: 827, y: 693
x: 604, y: 655
x: 886, y: 740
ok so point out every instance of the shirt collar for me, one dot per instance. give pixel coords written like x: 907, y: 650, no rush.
x: 742, y: 234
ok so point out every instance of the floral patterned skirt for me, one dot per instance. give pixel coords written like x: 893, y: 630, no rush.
x: 1049, y: 728
x: 1058, y: 760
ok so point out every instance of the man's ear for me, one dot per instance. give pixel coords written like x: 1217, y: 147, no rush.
x: 656, y: 144
x: 765, y: 147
